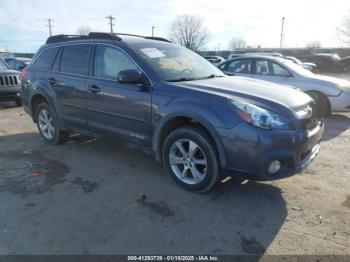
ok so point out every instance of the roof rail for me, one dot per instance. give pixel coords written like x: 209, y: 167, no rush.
x: 97, y: 35
x: 92, y: 35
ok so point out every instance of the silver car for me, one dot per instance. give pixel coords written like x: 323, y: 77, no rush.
x: 330, y: 94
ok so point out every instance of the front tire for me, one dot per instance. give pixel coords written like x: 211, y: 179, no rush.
x: 48, y: 125
x: 189, y: 156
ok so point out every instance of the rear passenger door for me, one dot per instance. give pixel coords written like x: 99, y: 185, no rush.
x: 117, y: 108
x: 69, y: 78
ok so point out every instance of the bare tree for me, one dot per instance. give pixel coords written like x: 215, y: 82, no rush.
x: 313, y: 44
x: 189, y: 31
x: 83, y: 30
x: 344, y: 28
x: 237, y: 43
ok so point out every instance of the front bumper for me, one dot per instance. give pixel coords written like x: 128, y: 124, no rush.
x: 340, y: 103
x: 249, y: 154
x: 9, y: 93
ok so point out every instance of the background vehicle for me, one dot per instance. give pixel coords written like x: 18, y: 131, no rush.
x: 231, y: 56
x: 326, y: 62
x: 9, y: 84
x: 307, y: 65
x: 5, y: 55
x: 345, y: 63
x: 172, y: 103
x: 330, y: 94
x: 215, y: 60
x: 18, y: 63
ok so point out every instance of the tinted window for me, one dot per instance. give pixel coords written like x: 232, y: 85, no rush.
x: 75, y: 59
x: 240, y: 66
x: 110, y: 61
x: 44, y: 61
x: 262, y: 67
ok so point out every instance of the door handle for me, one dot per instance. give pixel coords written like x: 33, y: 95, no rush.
x: 52, y: 80
x: 94, y: 89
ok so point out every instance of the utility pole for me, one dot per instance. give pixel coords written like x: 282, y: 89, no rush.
x: 49, y: 25
x: 111, y: 18
x: 282, y: 35
x: 153, y: 30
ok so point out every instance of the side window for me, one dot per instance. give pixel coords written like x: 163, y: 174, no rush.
x: 45, y: 59
x: 240, y: 66
x: 278, y: 70
x: 75, y: 59
x: 262, y: 67
x: 109, y: 61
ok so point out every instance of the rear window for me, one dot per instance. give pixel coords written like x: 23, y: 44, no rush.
x: 75, y: 59
x: 45, y: 59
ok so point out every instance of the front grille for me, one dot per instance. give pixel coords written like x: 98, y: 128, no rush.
x: 8, y: 81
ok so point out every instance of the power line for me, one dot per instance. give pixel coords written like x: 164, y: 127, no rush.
x: 111, y: 18
x: 49, y: 25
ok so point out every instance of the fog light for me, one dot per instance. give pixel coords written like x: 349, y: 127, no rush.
x: 274, y: 167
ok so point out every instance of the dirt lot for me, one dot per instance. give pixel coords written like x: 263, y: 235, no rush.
x: 94, y: 196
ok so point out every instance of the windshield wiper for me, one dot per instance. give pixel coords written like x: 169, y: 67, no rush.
x: 182, y: 79
x: 210, y: 76
x: 194, y: 78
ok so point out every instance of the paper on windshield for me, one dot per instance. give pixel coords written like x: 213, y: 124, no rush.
x: 152, y: 52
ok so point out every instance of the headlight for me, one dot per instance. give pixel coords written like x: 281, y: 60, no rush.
x: 260, y: 117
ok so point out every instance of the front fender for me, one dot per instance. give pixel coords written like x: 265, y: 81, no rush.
x: 156, y: 143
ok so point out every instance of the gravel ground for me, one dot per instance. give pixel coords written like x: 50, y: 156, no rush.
x: 95, y: 196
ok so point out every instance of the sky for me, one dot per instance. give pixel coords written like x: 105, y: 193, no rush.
x: 23, y: 22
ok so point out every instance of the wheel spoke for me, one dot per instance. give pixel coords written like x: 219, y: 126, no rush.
x: 176, y: 160
x: 201, y: 162
x: 184, y: 172
x: 197, y: 176
x: 179, y: 145
x: 192, y: 148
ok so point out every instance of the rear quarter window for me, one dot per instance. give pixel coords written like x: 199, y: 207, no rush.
x: 45, y: 59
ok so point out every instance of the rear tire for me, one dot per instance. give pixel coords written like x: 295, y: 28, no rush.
x: 322, y: 107
x: 189, y: 156
x: 48, y: 125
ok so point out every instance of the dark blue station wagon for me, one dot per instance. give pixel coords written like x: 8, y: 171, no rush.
x: 172, y: 103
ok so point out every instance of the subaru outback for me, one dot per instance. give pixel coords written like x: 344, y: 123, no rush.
x: 167, y: 100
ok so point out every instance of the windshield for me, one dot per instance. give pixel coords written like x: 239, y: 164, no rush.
x: 3, y: 65
x: 175, y: 63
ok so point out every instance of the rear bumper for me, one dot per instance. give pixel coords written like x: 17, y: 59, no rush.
x: 294, y: 149
x: 340, y: 103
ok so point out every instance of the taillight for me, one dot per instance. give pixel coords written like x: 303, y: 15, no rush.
x: 24, y: 73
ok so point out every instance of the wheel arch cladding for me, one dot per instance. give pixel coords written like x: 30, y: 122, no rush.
x: 174, y: 121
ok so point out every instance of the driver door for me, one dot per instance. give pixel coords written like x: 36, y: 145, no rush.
x: 115, y: 108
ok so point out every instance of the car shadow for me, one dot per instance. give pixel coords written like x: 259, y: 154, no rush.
x: 123, y: 200
x: 335, y: 125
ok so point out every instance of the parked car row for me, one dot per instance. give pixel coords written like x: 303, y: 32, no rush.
x: 330, y: 94
x: 9, y: 84
x: 167, y: 100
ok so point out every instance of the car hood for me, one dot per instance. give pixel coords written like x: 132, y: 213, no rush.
x: 233, y: 86
x: 336, y: 82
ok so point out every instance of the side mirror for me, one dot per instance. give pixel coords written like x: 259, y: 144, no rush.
x: 130, y: 76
